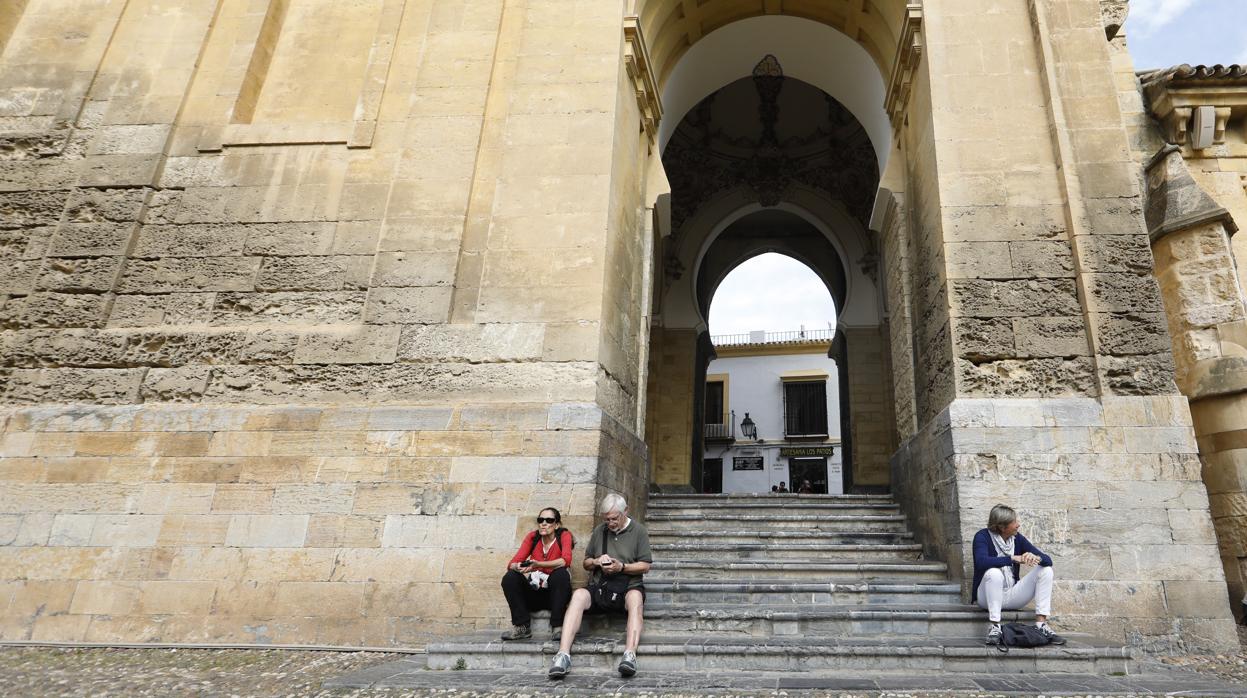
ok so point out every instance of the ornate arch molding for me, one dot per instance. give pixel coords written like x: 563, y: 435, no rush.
x: 674, y: 26
x: 847, y: 236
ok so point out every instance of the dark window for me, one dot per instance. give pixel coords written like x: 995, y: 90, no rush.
x: 805, y: 408
x: 714, y: 402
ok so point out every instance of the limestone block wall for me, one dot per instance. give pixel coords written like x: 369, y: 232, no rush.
x: 296, y: 360
x: 1111, y: 489
x: 869, y: 407
x: 669, y: 397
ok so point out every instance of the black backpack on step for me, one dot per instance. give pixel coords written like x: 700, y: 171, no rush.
x: 1019, y: 635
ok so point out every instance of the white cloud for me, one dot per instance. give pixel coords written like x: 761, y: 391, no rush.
x: 770, y: 292
x: 1148, y: 16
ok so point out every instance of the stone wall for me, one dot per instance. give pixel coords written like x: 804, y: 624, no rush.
x: 669, y: 411
x: 1110, y: 488
x: 304, y: 525
x: 873, y: 436
x: 299, y: 365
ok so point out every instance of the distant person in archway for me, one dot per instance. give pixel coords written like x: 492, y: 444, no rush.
x: 617, y: 557
x: 783, y: 488
x: 1000, y: 552
x: 806, y: 487
x: 539, y: 576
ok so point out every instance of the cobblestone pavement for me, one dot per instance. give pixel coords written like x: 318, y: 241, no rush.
x: 28, y: 672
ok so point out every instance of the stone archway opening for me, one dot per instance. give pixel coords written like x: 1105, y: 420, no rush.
x: 767, y: 161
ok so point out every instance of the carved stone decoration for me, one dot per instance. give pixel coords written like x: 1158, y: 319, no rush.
x: 640, y: 71
x: 1113, y: 12
x: 830, y: 153
x: 1175, y: 201
x: 1173, y: 94
x: 908, y: 55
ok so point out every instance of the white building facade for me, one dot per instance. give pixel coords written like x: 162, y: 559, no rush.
x: 772, y: 414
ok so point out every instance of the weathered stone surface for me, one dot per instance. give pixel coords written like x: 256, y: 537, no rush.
x: 54, y: 310
x: 981, y: 298
x: 1133, y: 333
x: 472, y: 343
x: 1017, y: 378
x: 314, y: 273
x: 1050, y: 337
x: 309, y: 307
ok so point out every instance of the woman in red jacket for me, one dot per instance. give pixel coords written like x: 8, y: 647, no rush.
x: 538, y: 577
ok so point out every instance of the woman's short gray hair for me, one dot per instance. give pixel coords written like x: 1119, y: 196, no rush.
x: 613, y: 502
x: 1001, y: 516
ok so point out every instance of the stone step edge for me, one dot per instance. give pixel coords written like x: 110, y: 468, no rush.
x: 684, y: 516
x: 778, y: 534
x: 764, y: 612
x: 768, y: 495
x: 802, y: 564
x: 847, y: 547
x: 892, y: 646
x: 828, y: 506
x: 785, y: 585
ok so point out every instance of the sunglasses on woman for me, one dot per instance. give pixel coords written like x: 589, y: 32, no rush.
x: 546, y: 519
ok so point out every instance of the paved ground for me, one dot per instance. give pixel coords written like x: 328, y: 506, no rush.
x: 44, y: 672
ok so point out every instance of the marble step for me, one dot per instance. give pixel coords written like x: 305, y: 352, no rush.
x: 782, y: 538
x: 812, y: 620
x: 745, y: 591
x: 809, y: 620
x: 767, y: 506
x: 732, y: 552
x: 748, y: 496
x: 1083, y: 654
x: 678, y: 567
x: 659, y: 521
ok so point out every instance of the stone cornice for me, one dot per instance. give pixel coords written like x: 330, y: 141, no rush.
x: 640, y: 70
x: 908, y: 55
x: 1172, y: 95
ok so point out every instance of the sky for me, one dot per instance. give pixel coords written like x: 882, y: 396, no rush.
x: 776, y: 293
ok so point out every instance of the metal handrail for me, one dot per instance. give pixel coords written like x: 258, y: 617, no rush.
x: 791, y: 336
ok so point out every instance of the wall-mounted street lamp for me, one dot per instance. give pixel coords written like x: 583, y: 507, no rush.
x: 748, y: 429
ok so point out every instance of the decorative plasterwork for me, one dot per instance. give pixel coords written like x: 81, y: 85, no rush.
x: 637, y: 63
x: 908, y: 55
x: 1173, y: 94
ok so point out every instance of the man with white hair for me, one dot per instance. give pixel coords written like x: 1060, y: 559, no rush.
x: 616, y: 557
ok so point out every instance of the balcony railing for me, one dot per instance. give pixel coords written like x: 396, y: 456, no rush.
x: 790, y: 337
x: 721, y: 432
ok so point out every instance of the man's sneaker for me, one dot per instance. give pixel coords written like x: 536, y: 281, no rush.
x: 518, y: 632
x: 993, y: 635
x: 556, y: 633
x: 627, y: 665
x: 1053, y: 638
x: 562, y: 662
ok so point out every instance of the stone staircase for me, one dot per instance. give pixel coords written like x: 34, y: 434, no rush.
x: 782, y: 583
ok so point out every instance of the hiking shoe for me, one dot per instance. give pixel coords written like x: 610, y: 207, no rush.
x: 1053, y: 638
x: 556, y: 633
x: 562, y: 662
x: 518, y: 632
x: 993, y: 635
x: 627, y: 665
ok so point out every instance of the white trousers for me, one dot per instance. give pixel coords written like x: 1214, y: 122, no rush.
x: 1037, y: 585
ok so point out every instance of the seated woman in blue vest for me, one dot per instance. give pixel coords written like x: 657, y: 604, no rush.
x: 999, y: 554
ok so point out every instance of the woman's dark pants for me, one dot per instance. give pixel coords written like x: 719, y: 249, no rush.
x: 522, y: 597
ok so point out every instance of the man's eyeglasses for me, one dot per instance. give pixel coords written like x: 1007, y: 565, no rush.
x: 544, y: 519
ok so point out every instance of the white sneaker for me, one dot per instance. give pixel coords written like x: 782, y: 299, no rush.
x: 562, y: 663
x: 627, y: 665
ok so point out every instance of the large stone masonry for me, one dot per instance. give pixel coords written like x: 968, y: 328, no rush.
x: 1110, y: 488
x: 308, y: 307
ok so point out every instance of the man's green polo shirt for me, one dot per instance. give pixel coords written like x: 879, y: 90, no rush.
x: 628, y: 546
